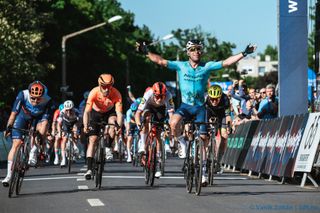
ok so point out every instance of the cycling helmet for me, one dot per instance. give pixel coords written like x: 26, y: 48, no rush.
x: 194, y: 43
x: 68, y: 104
x: 105, y: 80
x: 36, y: 89
x: 159, y: 89
x: 61, y: 107
x: 134, y: 106
x: 86, y: 94
x: 215, y: 91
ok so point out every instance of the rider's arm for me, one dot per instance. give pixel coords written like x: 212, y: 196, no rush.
x: 157, y: 59
x: 87, y: 109
x: 232, y: 59
x: 137, y: 117
x: 118, y: 108
x: 12, y: 118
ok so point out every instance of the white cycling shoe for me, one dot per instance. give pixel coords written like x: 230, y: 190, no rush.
x: 6, y: 181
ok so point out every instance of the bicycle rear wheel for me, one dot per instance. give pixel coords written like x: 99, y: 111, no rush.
x: 198, y: 156
x: 146, y: 166
x: 15, y: 171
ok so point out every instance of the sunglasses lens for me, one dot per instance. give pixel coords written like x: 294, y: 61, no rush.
x: 105, y: 86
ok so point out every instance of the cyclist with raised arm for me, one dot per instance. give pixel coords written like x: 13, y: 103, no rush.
x: 131, y: 126
x: 68, y: 123
x: 104, y: 104
x: 218, y: 107
x: 157, y: 101
x: 30, y: 104
x: 193, y: 77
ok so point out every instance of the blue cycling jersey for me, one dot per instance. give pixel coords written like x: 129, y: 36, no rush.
x: 129, y: 116
x: 193, y: 81
x: 23, y: 102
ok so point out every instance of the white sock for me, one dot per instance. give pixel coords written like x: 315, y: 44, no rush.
x: 63, y: 155
x: 143, y: 138
x: 9, y: 169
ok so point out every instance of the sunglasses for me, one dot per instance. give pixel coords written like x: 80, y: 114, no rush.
x: 106, y: 86
x: 159, y: 96
x: 193, y: 49
x: 262, y: 92
x: 214, y: 99
x: 34, y: 99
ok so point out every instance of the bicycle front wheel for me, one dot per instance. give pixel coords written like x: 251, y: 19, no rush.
x: 70, y: 156
x: 211, y: 161
x: 188, y: 168
x: 198, y: 162
x: 15, y: 171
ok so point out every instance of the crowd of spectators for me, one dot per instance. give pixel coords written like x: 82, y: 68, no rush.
x: 250, y: 103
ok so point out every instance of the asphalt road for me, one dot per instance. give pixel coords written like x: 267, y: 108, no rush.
x: 52, y: 189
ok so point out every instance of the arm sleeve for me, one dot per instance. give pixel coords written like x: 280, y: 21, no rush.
x: 213, y: 65
x: 173, y: 65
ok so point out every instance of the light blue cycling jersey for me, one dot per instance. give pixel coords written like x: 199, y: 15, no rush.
x: 193, y: 81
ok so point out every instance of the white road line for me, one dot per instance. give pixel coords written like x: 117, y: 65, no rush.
x: 129, y: 177
x: 83, y: 169
x: 80, y: 174
x: 83, y: 187
x: 95, y: 202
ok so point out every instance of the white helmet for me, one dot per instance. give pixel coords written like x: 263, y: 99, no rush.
x: 68, y: 104
x: 193, y: 43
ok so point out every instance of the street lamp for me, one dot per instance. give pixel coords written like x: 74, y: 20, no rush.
x: 64, y: 86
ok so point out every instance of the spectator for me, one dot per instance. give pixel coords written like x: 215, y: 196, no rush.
x: 268, y: 107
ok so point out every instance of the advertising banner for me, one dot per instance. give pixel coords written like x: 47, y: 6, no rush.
x: 309, y: 144
x: 248, y: 163
x: 281, y: 144
x: 268, y: 152
x: 247, y: 142
x: 291, y: 150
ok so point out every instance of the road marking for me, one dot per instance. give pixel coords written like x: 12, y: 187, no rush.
x: 95, y: 202
x: 80, y: 174
x: 129, y: 177
x: 83, y: 187
x: 83, y: 169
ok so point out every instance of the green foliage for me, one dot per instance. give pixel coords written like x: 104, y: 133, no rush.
x: 20, y: 44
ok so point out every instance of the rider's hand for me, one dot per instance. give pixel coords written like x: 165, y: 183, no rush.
x: 141, y: 47
x: 86, y: 130
x: 249, y: 49
x: 8, y: 130
x: 139, y: 127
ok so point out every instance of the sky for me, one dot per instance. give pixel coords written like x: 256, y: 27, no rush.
x: 238, y: 22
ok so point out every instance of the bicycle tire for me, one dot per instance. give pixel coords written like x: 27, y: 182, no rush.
x: 163, y: 157
x: 153, y: 162
x: 146, y: 167
x: 189, y: 169
x: 70, y: 156
x: 100, y: 163
x: 15, y: 171
x: 211, y: 160
x: 198, y: 162
x: 23, y: 167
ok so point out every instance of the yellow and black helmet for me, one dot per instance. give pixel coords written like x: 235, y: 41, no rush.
x: 215, y: 91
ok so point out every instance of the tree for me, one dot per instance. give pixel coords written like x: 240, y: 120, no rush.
x: 20, y: 44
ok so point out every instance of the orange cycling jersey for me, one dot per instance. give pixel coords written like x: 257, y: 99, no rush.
x: 100, y: 103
